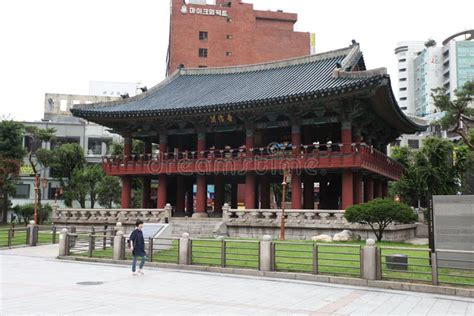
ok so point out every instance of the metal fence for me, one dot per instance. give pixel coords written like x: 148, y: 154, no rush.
x: 92, y: 243
x: 14, y: 236
x: 206, y: 252
x: 163, y: 250
x: 454, y: 269
x: 407, y: 264
x: 334, y: 259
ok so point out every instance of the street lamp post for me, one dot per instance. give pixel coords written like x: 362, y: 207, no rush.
x: 36, y: 197
x: 286, y: 179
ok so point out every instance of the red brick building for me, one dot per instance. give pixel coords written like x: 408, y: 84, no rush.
x: 231, y: 33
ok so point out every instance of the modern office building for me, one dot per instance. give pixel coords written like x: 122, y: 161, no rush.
x: 428, y: 75
x: 230, y: 33
x: 93, y: 138
x: 406, y: 53
x: 422, y: 69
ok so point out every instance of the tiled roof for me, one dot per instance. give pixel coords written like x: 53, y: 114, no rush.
x: 198, y: 88
x: 190, y: 91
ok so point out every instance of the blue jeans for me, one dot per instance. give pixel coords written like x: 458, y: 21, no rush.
x: 134, y: 262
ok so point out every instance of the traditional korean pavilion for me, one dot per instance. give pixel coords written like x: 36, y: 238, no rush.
x: 323, y: 118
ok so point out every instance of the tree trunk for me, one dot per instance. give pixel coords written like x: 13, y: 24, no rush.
x: 5, y: 208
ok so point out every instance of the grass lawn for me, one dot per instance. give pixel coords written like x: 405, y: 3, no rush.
x: 45, y: 236
x: 297, y: 256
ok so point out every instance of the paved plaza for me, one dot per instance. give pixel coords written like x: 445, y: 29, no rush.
x: 34, y: 282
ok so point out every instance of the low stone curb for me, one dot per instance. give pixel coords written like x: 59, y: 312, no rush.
x: 390, y: 285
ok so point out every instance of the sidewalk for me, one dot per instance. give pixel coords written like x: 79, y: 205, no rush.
x: 32, y: 281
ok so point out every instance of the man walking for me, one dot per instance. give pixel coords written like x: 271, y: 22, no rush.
x: 137, y: 245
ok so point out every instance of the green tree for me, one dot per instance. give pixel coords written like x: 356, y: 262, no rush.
x: 438, y: 168
x: 430, y: 43
x: 84, y: 182
x: 11, y: 154
x: 459, y: 112
x: 63, y: 160
x: 109, y: 192
x: 380, y: 213
x: 27, y: 211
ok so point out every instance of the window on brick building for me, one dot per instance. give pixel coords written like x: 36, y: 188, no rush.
x: 229, y: 36
x: 203, y: 52
x: 203, y: 36
x: 229, y: 19
x: 228, y: 53
x: 202, y: 66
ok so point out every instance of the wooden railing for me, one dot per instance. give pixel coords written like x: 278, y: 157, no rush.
x: 311, y: 157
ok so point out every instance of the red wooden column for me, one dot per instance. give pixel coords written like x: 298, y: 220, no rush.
x: 146, y: 192
x: 127, y: 148
x: 347, y: 189
x: 347, y: 177
x: 249, y: 176
x: 384, y: 189
x: 377, y: 188
x: 201, y: 193
x: 308, y: 193
x: 368, y: 189
x: 296, y: 176
x: 162, y: 178
x: 126, y: 180
x: 346, y: 136
x: 358, y: 186
x: 126, y: 192
x: 264, y: 192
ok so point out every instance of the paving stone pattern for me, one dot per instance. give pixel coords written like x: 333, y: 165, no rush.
x: 33, y: 281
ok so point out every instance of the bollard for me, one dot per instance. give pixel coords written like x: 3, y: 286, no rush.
x: 168, y: 210
x: 185, y: 251
x: 266, y: 259
x: 54, y: 234
x: 63, y: 242
x: 119, y: 246
x: 369, y: 260
x: 32, y: 234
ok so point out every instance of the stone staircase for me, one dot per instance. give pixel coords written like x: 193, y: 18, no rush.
x: 195, y: 227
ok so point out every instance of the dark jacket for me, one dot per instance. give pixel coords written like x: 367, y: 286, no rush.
x: 138, y: 243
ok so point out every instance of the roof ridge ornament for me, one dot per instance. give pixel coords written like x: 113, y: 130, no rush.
x: 364, y: 74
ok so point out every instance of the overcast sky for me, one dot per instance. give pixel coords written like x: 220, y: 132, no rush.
x: 58, y: 46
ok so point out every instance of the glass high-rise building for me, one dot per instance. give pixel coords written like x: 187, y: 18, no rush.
x: 427, y: 68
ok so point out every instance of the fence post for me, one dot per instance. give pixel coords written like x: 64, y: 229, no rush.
x: 119, y: 246
x: 266, y: 253
x: 434, y: 268
x: 91, y: 245
x: 185, y: 251
x: 33, y: 234
x: 92, y: 241
x: 54, y: 229
x: 315, y: 259
x: 63, y: 242
x: 104, y: 240
x: 369, y: 260
x: 150, y: 249
x: 10, y: 234
x: 223, y: 254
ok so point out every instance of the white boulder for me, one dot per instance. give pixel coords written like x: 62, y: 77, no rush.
x: 325, y: 238
x: 346, y: 235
